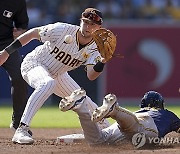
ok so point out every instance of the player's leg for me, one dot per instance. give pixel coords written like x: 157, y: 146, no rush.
x: 18, y: 89
x: 65, y: 85
x: 92, y: 132
x: 76, y: 102
x: 128, y: 121
x: 79, y: 102
x: 44, y: 85
x: 113, y: 134
x: 110, y: 108
x: 40, y: 79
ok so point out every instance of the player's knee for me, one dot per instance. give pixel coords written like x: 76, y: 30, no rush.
x: 47, y: 85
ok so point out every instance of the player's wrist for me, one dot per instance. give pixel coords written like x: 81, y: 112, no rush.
x: 16, y: 44
x: 103, y: 60
x: 99, y: 67
x: 6, y: 53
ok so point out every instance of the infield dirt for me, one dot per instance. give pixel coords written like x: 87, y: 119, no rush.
x: 45, y: 143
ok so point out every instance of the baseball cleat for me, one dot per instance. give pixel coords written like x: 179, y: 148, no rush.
x: 73, y: 101
x: 105, y: 110
x: 12, y: 127
x: 22, y: 136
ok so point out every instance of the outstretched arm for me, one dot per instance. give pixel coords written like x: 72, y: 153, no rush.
x: 93, y: 71
x: 22, y: 40
x: 26, y: 37
x: 18, y: 31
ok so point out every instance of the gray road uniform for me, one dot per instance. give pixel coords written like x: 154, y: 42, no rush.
x: 132, y: 123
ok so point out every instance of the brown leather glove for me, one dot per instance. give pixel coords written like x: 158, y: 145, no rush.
x: 106, y: 42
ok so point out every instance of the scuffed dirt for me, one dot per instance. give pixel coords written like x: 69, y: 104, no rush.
x: 45, y: 143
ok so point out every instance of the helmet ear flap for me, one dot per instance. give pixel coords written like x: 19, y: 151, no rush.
x: 161, y: 103
x: 142, y: 105
x: 144, y: 101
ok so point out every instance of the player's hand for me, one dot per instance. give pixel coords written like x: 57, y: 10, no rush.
x: 3, y: 57
x: 103, y: 60
x: 106, y: 42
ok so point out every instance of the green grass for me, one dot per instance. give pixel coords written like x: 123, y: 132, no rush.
x: 52, y: 117
x: 46, y: 117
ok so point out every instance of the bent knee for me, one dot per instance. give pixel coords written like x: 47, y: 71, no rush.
x: 46, y: 85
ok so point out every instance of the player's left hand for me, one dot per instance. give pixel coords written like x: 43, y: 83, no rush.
x: 103, y: 60
x: 106, y: 43
x: 3, y: 57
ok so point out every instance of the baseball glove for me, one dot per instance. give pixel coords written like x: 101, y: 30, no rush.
x: 106, y: 42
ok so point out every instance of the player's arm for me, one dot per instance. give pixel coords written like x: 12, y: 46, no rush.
x: 18, y: 31
x: 93, y: 71
x: 22, y: 40
x: 20, y: 19
x: 26, y: 37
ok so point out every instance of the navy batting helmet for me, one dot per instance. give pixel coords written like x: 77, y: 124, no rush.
x: 152, y: 99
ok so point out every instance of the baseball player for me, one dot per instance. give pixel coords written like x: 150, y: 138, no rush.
x: 152, y: 119
x: 65, y: 47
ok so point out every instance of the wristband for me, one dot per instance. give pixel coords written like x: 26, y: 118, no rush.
x: 99, y: 67
x: 16, y: 44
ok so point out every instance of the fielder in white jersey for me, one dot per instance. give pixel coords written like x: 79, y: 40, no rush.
x: 46, y: 67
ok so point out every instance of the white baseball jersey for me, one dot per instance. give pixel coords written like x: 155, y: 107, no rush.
x: 56, y: 55
x: 45, y: 68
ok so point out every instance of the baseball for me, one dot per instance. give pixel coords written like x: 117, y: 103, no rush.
x: 68, y: 39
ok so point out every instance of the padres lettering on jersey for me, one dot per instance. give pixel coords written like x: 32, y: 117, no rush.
x: 65, y: 58
x: 59, y: 57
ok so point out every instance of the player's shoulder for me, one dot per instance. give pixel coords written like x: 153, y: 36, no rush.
x: 65, y: 25
x: 169, y: 112
x: 60, y: 27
